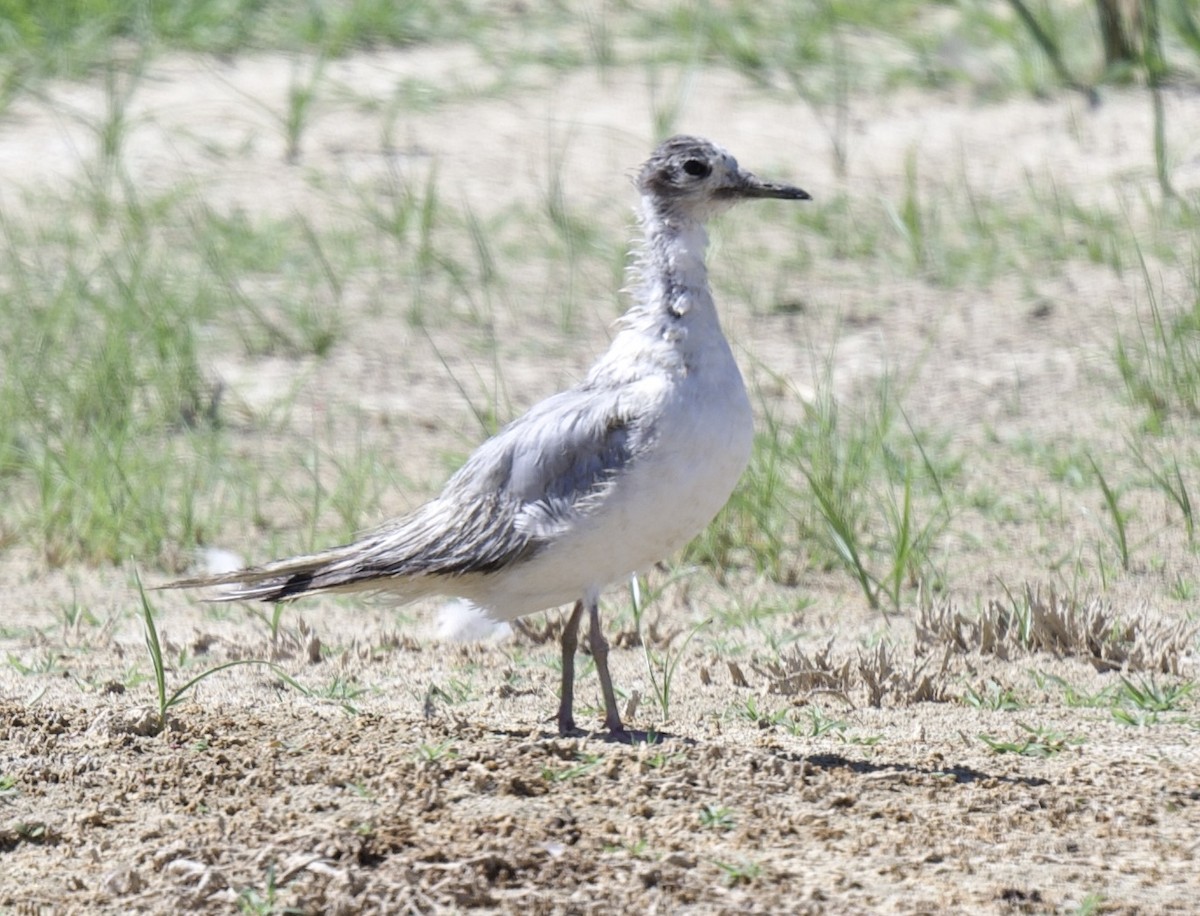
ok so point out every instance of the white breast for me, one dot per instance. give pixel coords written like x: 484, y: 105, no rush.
x: 702, y: 437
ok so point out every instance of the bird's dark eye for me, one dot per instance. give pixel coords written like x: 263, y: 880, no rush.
x: 697, y: 168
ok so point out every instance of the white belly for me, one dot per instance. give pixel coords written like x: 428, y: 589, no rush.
x: 662, y: 501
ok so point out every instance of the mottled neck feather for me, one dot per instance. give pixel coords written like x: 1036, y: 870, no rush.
x: 672, y: 318
x: 669, y: 273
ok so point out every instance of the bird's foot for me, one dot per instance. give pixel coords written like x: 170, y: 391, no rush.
x: 567, y: 728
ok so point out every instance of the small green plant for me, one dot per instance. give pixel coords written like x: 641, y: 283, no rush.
x: 587, y: 763
x: 738, y: 873
x: 1135, y: 718
x: 815, y: 723
x: 75, y: 615
x: 265, y: 902
x: 1161, y: 366
x: 121, y: 81
x: 168, y: 700
x: 455, y: 691
x: 749, y: 711
x: 851, y: 472
x: 342, y: 690
x: 992, y: 696
x: 659, y: 759
x: 1112, y: 502
x: 716, y: 817
x: 431, y: 753
x: 301, y: 96
x: 660, y: 667
x: 638, y: 848
x: 1168, y: 478
x: 1182, y: 588
x: 863, y: 740
x: 49, y: 662
x: 1039, y: 742
x: 1149, y: 696
x: 911, y: 219
x: 1072, y: 696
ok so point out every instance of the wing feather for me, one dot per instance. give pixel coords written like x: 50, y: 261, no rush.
x: 526, y: 485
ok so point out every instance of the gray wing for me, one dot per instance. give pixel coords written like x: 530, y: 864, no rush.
x: 547, y: 470
x: 516, y: 493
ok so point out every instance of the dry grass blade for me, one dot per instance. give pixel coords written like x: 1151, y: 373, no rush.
x: 876, y: 675
x: 1090, y: 629
x: 798, y: 672
x: 906, y: 684
x: 993, y: 632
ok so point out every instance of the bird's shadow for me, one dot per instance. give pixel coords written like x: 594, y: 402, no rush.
x: 960, y: 774
x: 630, y: 736
x: 633, y: 736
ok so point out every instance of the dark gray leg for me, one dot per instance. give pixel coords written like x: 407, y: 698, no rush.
x: 570, y: 642
x: 612, y: 718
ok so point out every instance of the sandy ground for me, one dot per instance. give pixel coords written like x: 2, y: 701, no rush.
x: 430, y: 780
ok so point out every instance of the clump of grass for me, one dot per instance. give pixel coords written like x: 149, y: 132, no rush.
x: 992, y: 696
x: 660, y: 667
x: 1119, y: 516
x: 749, y: 710
x: 876, y: 674
x: 251, y: 900
x: 739, y: 873
x: 1141, y: 704
x: 716, y: 817
x: 1039, y: 741
x: 1074, y: 697
x: 860, y: 495
x: 816, y: 723
x: 104, y: 390
x: 297, y: 114
x: 1161, y: 365
x: 1137, y: 703
x: 435, y: 753
x: 848, y: 488
x: 1167, y: 477
x: 912, y: 220
x: 1038, y: 621
x: 584, y: 764
x: 279, y: 282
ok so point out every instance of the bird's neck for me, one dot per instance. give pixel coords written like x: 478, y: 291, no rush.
x: 672, y: 276
x: 672, y: 323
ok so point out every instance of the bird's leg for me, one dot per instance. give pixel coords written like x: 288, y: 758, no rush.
x: 612, y: 718
x: 570, y: 642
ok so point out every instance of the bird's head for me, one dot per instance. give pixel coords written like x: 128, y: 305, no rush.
x: 693, y: 178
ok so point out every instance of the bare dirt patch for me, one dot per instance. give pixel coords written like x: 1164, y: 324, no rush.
x: 306, y: 806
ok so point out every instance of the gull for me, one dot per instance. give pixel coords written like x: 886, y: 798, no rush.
x: 595, y: 483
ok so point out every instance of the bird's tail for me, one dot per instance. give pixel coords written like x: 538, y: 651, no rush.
x: 339, y: 569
